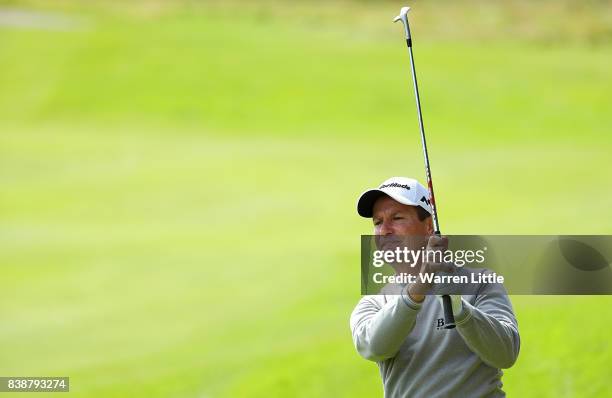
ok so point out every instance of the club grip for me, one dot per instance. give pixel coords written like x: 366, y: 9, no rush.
x: 449, y: 318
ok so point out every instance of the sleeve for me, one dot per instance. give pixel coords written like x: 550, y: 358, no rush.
x: 490, y: 329
x: 380, y: 329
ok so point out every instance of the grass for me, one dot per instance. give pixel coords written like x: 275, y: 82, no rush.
x: 179, y: 184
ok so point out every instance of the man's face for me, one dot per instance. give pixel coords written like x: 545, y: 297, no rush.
x: 392, y: 218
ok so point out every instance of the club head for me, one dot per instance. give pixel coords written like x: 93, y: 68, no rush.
x: 403, y: 16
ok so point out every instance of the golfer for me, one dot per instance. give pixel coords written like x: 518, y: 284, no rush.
x: 403, y: 332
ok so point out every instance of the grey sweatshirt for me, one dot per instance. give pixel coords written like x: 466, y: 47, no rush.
x: 419, y: 358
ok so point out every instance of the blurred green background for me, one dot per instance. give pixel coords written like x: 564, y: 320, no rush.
x: 179, y: 182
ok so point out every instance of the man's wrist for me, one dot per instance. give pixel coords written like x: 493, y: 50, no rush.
x: 408, y: 300
x: 416, y: 297
x: 457, y: 304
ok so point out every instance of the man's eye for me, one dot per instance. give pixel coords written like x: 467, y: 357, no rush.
x: 398, y: 218
x: 376, y: 223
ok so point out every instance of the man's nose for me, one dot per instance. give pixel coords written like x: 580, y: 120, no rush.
x: 386, y: 228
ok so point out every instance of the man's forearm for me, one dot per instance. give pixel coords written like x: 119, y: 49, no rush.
x: 378, y: 333
x: 492, y: 336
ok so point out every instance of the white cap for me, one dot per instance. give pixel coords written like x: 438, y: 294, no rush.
x: 404, y: 190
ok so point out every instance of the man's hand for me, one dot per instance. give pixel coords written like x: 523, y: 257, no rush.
x: 436, y: 243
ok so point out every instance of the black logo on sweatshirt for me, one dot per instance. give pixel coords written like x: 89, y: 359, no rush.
x: 439, y: 323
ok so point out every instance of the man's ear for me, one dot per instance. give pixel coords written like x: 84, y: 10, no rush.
x: 430, y: 228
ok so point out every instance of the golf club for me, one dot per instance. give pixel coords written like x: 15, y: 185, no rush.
x: 449, y: 319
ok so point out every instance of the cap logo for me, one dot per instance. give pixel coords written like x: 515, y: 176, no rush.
x: 424, y: 199
x: 394, y: 184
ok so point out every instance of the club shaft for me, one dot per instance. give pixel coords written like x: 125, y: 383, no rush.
x: 432, y: 199
x: 449, y: 319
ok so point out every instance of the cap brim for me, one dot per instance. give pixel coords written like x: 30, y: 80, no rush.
x: 365, y: 204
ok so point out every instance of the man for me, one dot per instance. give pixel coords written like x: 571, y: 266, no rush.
x: 402, y: 331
